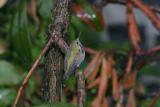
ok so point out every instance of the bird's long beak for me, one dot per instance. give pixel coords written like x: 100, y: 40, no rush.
x: 78, y: 36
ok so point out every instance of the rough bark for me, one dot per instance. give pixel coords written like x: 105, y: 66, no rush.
x: 81, y: 88
x: 53, y: 72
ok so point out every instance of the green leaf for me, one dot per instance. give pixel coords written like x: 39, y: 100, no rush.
x: 56, y: 105
x: 8, y: 75
x: 6, y: 97
x: 44, y: 8
x: 71, y: 83
x: 146, y: 103
x: 150, y: 69
x: 20, y: 35
x: 90, y: 16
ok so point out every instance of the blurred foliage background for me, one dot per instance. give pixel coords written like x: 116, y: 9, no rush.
x: 23, y: 26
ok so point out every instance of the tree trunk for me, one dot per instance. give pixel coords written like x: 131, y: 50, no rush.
x: 53, y: 72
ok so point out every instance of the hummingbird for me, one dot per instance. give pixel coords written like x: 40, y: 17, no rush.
x: 73, y: 58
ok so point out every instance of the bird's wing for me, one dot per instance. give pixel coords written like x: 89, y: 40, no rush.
x: 74, y: 64
x: 70, y: 71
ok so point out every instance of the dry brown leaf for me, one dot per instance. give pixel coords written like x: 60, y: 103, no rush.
x: 92, y: 65
x: 96, y: 103
x: 105, y: 103
x: 96, y: 69
x: 103, y: 82
x: 148, y: 11
x: 131, y: 99
x: 133, y: 28
x: 109, y: 66
x: 2, y: 47
x: 32, y: 11
x: 94, y: 83
x: 92, y: 70
x: 121, y: 99
x: 74, y: 100
x: 119, y: 105
x: 140, y: 89
x: 129, y: 64
x: 2, y: 3
x: 104, y: 77
x: 90, y: 51
x: 115, y: 86
x: 129, y: 80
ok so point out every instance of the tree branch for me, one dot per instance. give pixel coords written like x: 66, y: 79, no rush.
x: 81, y: 88
x: 54, y: 39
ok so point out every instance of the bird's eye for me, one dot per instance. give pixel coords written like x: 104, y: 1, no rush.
x: 77, y: 42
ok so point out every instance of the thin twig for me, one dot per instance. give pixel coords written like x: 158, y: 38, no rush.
x: 31, y: 72
x: 62, y: 45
